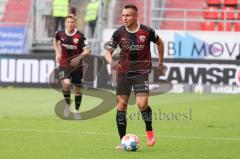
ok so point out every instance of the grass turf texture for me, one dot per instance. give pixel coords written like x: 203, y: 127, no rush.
x: 30, y: 129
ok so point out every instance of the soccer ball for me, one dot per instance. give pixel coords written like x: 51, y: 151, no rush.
x: 130, y: 142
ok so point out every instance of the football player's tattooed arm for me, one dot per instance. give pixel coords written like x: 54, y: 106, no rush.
x: 160, y: 49
x: 75, y: 61
x: 108, y: 55
x: 109, y: 48
x: 58, y: 52
x: 114, y: 64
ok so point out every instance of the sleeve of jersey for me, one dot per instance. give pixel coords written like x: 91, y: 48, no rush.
x: 114, y: 40
x: 153, y: 36
x: 84, y: 42
x: 57, y: 35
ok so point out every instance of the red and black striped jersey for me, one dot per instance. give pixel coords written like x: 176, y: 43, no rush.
x: 135, y: 53
x: 71, y: 45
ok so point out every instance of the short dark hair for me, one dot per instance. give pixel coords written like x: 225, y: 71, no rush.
x: 131, y: 6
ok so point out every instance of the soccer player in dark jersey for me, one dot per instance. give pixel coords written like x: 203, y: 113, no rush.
x: 70, y: 48
x: 133, y: 68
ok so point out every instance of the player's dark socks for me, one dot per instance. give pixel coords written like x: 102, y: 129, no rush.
x: 121, y: 123
x: 66, y: 95
x: 78, y: 100
x: 147, y: 117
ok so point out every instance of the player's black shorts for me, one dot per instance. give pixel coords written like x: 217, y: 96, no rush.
x: 127, y: 81
x: 75, y: 75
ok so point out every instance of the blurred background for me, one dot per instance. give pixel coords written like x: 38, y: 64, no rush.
x: 200, y: 39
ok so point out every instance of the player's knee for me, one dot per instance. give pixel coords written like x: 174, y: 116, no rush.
x: 77, y: 91
x: 66, y: 87
x: 66, y: 82
x: 142, y: 105
x: 122, y: 106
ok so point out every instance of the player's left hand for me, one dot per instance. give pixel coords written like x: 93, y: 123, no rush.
x: 74, y: 62
x: 58, y: 58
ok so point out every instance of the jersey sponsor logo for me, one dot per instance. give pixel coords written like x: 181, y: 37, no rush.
x: 127, y: 44
x: 142, y: 38
x: 69, y: 47
x: 75, y: 41
x: 136, y: 47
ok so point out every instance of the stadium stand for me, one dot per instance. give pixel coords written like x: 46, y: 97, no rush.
x: 211, y: 13
x: 238, y: 14
x: 16, y: 12
x: 206, y: 15
x: 182, y: 10
x: 224, y: 26
x: 208, y: 26
x: 231, y: 3
x: 214, y: 2
x: 237, y: 26
x: 228, y: 14
x: 2, y: 8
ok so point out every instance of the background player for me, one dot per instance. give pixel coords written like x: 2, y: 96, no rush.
x: 134, y: 67
x: 70, y: 48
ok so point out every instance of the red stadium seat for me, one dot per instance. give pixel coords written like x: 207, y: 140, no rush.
x: 224, y: 26
x: 214, y: 2
x: 190, y: 10
x: 238, y: 14
x: 230, y: 2
x: 208, y: 26
x: 17, y: 12
x: 237, y: 26
x: 228, y: 13
x: 211, y: 13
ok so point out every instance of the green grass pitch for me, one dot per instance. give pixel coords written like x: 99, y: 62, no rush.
x: 29, y: 128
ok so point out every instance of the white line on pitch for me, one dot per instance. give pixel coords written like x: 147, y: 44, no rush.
x: 109, y: 133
